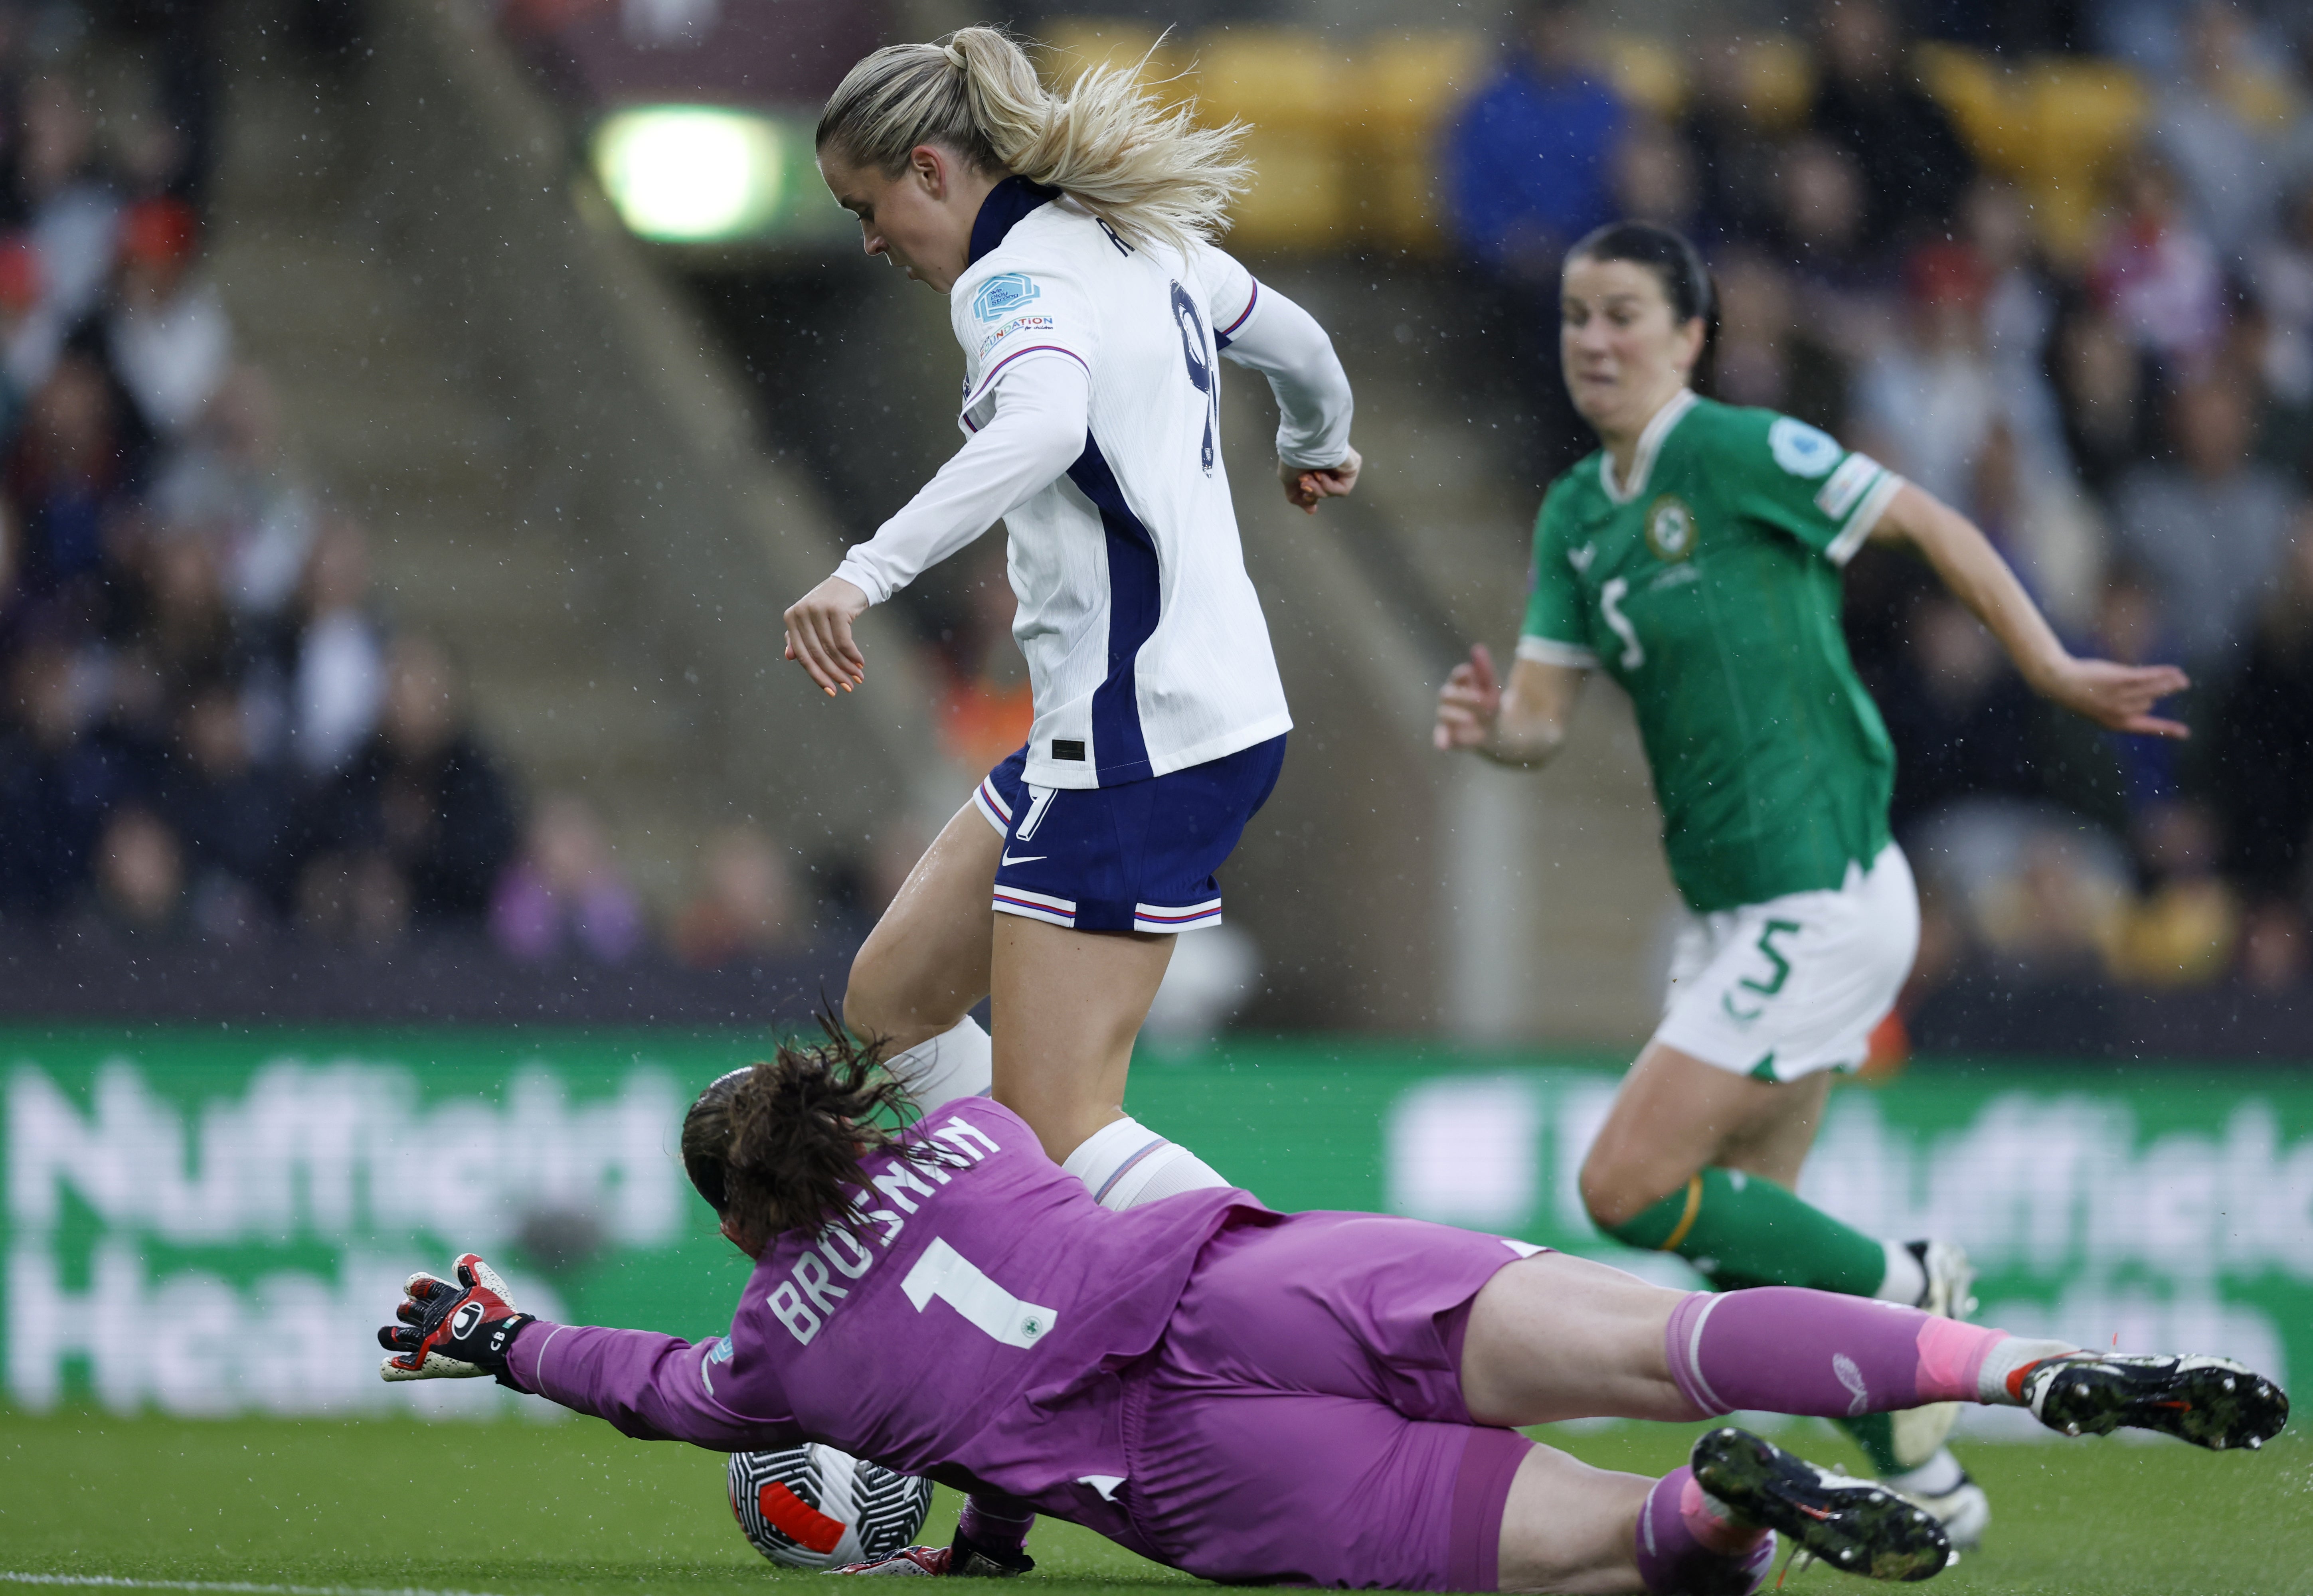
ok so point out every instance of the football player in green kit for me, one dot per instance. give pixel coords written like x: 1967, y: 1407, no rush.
x: 1696, y: 559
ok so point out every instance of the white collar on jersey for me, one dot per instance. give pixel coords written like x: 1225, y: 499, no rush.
x: 1650, y: 442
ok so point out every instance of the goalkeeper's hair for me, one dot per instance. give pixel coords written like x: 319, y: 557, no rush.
x: 779, y: 1145
x: 1147, y: 169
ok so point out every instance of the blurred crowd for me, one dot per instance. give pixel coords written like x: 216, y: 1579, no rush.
x: 209, y: 724
x: 2125, y: 408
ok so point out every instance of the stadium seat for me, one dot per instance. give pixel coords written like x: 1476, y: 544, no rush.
x: 1407, y: 88
x: 1647, y: 73
x: 1279, y: 79
x: 2055, y: 127
x: 2082, y: 119
x: 1780, y: 73
x: 1977, y: 94
x: 1071, y: 44
x: 1299, y: 198
x: 1292, y: 89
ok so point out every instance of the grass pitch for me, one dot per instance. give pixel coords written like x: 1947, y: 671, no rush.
x: 518, y: 1509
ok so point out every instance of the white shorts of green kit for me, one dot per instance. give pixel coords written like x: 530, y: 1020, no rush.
x: 1794, y: 984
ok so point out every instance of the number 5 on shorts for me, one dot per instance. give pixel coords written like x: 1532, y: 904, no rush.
x: 1774, y: 983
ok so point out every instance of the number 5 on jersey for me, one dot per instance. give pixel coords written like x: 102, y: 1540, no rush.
x: 1610, y: 602
x: 954, y: 1279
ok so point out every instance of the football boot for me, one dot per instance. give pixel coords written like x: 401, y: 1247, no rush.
x: 2212, y: 1402
x: 1849, y: 1524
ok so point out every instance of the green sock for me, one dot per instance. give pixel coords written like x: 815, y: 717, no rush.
x: 1744, y: 1230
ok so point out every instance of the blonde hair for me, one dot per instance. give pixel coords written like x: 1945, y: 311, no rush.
x: 1147, y: 171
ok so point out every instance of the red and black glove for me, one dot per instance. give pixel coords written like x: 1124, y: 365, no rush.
x: 453, y: 1331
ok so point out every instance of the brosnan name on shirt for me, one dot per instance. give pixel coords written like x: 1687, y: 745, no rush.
x: 810, y: 1294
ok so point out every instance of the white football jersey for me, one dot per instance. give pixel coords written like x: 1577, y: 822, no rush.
x: 1145, y: 641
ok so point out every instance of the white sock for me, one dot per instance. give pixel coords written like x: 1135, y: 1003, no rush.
x: 1906, y: 1280
x: 1938, y: 1475
x: 2004, y: 1359
x: 1125, y: 1164
x: 958, y: 1063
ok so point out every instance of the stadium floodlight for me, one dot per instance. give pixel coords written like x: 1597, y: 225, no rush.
x: 693, y: 173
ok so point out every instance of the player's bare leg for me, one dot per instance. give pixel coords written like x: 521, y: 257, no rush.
x: 1571, y: 1528
x: 1077, y: 1001
x: 1674, y: 1114
x: 1067, y: 1007
x: 1775, y: 1141
x: 926, y: 963
x: 1702, y: 1161
x: 1606, y: 1329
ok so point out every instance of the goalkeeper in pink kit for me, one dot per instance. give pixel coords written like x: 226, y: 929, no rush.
x: 1318, y: 1398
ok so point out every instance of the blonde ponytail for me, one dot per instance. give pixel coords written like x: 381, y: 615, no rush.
x: 1148, y: 171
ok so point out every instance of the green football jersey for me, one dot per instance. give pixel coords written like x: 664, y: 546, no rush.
x: 1709, y: 586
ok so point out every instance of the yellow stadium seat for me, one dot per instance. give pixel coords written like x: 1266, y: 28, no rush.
x: 1646, y: 73
x: 1778, y: 75
x: 1071, y: 44
x: 2067, y: 215
x: 1397, y: 203
x: 1299, y: 198
x: 1409, y: 84
x: 1409, y: 88
x: 2082, y: 119
x: 2056, y: 125
x: 1279, y: 79
x: 1295, y: 91
x: 2080, y: 116
x: 1980, y: 99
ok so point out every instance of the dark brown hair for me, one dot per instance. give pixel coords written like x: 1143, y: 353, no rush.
x: 777, y: 1144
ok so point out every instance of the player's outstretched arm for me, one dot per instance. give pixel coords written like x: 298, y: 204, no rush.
x: 1523, y: 724
x: 648, y: 1386
x: 1035, y: 431
x: 2120, y: 698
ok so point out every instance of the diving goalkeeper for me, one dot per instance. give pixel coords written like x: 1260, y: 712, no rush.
x: 1251, y: 1396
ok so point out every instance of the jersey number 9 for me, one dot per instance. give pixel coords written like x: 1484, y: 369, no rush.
x: 1194, y: 351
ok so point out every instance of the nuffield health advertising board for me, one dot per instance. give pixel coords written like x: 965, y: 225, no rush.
x: 171, y: 1192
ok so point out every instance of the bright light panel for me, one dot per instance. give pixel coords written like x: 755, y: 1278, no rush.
x: 691, y: 173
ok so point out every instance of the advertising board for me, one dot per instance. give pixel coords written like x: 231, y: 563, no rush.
x: 202, y: 1221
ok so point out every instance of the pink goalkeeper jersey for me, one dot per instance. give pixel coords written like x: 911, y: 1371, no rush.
x: 973, y: 1332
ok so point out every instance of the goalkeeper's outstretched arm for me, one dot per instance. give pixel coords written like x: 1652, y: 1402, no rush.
x: 648, y: 1386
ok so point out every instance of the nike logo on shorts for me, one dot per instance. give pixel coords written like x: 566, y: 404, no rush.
x: 1025, y: 858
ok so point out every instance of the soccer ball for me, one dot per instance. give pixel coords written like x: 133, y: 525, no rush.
x: 816, y: 1507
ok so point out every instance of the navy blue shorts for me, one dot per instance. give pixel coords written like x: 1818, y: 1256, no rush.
x: 1142, y: 857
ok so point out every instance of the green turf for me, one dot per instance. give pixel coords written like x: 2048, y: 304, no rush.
x: 562, y: 1508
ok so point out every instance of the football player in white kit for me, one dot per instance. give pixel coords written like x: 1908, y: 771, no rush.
x: 1070, y: 234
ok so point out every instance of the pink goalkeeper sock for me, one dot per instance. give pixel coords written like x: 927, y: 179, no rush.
x: 1685, y: 1548
x: 1782, y: 1349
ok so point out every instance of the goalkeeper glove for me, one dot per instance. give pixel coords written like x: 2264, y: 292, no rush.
x: 453, y: 1332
